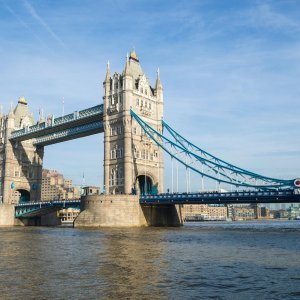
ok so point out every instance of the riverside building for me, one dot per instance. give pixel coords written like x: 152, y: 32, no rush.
x: 56, y: 187
x: 204, y: 212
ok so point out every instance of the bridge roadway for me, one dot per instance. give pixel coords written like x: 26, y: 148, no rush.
x: 244, y: 197
x: 33, y: 209
x: 78, y: 124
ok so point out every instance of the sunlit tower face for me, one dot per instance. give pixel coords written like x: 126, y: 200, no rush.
x: 132, y: 162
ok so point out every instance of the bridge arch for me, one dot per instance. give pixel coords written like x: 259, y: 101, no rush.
x: 22, y: 196
x: 144, y: 184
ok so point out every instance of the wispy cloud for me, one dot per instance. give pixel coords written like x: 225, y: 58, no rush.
x: 37, y: 17
x: 21, y: 21
x: 266, y: 16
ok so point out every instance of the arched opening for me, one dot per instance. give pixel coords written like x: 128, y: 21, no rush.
x: 24, y: 196
x: 145, y: 184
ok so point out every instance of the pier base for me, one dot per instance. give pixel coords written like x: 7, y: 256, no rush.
x: 7, y: 216
x: 124, y: 211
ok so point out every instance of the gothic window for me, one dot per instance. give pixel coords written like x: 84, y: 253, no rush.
x: 142, y: 102
x: 121, y: 181
x: 113, y: 154
x: 119, y: 130
x: 150, y: 105
x: 137, y: 102
x: 151, y: 156
x: 142, y: 90
x: 143, y: 154
x: 146, y: 92
x: 16, y: 172
x: 134, y: 130
x: 112, y: 177
x: 117, y: 177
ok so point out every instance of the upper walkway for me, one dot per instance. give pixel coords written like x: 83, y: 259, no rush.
x: 55, y: 130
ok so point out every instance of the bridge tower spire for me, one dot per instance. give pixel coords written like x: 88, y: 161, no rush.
x: 132, y: 162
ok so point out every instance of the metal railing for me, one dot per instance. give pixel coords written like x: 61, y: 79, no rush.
x: 77, y: 115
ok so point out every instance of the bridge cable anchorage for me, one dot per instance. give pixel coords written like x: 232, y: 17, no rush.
x: 206, y: 164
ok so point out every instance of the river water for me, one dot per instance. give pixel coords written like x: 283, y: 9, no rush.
x: 233, y: 260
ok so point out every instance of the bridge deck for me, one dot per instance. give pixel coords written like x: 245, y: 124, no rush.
x: 283, y: 196
x: 32, y: 209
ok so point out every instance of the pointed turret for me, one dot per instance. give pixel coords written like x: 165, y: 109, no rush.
x: 107, y: 77
x: 11, y: 111
x: 158, y: 87
x: 158, y: 84
x: 22, y: 114
x: 126, y: 70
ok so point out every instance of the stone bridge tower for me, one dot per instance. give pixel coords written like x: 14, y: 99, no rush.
x: 20, y: 162
x: 132, y: 161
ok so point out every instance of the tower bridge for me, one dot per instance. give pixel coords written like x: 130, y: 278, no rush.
x: 135, y: 138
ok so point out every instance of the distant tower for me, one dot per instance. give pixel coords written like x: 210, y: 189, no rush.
x: 20, y: 162
x: 132, y: 162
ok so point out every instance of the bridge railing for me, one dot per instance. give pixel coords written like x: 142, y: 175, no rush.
x: 22, y: 209
x: 216, y: 195
x: 98, y: 109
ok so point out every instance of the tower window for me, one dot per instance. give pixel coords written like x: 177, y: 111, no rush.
x: 137, y: 102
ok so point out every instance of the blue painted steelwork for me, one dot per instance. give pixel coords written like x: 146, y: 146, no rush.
x: 269, y: 196
x: 34, y: 209
x: 216, y: 169
x: 54, y: 125
x: 69, y: 134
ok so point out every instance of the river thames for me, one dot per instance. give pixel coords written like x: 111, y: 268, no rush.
x: 226, y: 260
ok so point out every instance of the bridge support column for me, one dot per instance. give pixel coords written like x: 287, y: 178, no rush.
x: 124, y: 211
x: 7, y: 216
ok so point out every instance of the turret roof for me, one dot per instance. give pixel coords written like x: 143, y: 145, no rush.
x: 22, y: 111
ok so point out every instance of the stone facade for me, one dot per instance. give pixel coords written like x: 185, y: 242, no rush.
x: 125, y: 211
x: 132, y: 162
x: 20, y: 163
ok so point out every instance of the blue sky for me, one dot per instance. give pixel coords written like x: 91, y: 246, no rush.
x: 230, y: 71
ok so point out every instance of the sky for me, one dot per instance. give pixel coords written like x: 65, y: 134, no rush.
x: 230, y: 72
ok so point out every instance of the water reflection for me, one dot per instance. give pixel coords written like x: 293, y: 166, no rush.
x: 206, y: 260
x: 131, y: 266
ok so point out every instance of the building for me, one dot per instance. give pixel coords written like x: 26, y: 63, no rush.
x: 90, y: 190
x: 294, y: 212
x: 132, y: 162
x: 204, y: 212
x: 243, y: 213
x: 21, y: 163
x: 265, y: 212
x: 56, y: 187
x: 68, y: 215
